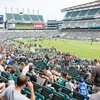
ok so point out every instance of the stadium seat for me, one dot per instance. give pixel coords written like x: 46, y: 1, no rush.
x: 4, y: 79
x: 66, y: 91
x: 60, y: 96
x: 17, y: 17
x: 92, y: 12
x: 39, y: 96
x: 82, y: 13
x: 40, y: 17
x: 74, y: 14
x: 34, y: 17
x: 26, y: 17
x: 46, y: 92
x: 37, y: 87
x: 9, y: 17
x: 56, y: 86
x: 26, y: 92
x: 78, y: 96
x: 67, y: 15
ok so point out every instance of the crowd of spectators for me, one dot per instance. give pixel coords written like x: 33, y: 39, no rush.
x: 79, y: 34
x: 46, y: 67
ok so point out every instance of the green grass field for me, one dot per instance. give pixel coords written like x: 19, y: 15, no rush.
x: 80, y: 48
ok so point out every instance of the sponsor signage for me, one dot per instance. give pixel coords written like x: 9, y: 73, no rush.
x: 37, y: 26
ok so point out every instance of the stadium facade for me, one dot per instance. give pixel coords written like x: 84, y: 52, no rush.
x: 82, y: 16
x: 53, y: 24
x: 24, y: 21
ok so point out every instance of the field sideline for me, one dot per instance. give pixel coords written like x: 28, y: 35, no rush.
x: 83, y: 49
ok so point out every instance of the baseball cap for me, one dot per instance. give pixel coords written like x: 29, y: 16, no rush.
x: 82, y: 80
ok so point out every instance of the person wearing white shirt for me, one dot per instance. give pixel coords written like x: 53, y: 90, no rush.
x: 1, y: 62
x: 26, y: 69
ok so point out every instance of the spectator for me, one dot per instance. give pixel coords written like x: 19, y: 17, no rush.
x: 1, y: 62
x: 14, y: 65
x: 95, y: 78
x: 83, y: 88
x: 49, y: 74
x: 69, y: 84
x: 54, y: 72
x: 22, y: 65
x: 11, y: 60
x: 96, y: 62
x: 95, y: 96
x: 26, y: 69
x: 63, y: 78
x: 8, y: 71
x: 32, y: 74
x: 11, y: 93
x: 47, y: 57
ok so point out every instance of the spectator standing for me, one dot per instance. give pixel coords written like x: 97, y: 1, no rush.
x: 95, y: 76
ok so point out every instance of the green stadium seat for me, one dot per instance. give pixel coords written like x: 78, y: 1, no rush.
x: 68, y: 14
x: 40, y: 17
x: 57, y: 86
x: 9, y: 16
x: 34, y: 17
x: 46, y: 92
x: 92, y: 12
x: 66, y: 91
x: 62, y: 81
x: 60, y: 96
x: 26, y: 92
x: 74, y: 14
x: 4, y: 79
x: 39, y: 96
x: 17, y: 17
x: 37, y: 87
x: 82, y: 13
x: 78, y: 96
x: 26, y: 17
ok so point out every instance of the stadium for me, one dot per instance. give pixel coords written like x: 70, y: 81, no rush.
x: 57, y: 60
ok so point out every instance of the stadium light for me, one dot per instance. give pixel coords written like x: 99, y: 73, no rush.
x: 33, y: 11
x: 23, y: 10
x: 17, y: 10
x: 28, y: 10
x: 11, y: 9
x: 5, y: 9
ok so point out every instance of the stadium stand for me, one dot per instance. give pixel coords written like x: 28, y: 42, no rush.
x: 9, y: 16
x: 40, y: 17
x: 17, y: 17
x: 53, y: 24
x: 87, y: 13
x: 26, y: 17
x: 34, y: 17
x: 58, y: 75
x: 50, y: 89
x: 24, y: 21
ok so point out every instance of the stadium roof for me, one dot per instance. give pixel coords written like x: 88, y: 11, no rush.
x: 82, y: 6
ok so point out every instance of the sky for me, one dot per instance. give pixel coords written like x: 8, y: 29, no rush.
x: 50, y: 9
